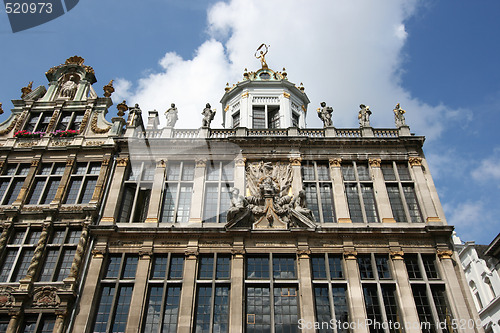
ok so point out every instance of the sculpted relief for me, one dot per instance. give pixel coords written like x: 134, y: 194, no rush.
x: 269, y: 203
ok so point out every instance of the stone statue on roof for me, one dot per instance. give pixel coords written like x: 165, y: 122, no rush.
x: 364, y: 116
x: 208, y: 115
x: 399, y: 117
x: 171, y: 115
x: 325, y: 114
x: 68, y: 88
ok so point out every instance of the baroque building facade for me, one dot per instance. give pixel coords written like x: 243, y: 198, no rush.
x: 263, y: 226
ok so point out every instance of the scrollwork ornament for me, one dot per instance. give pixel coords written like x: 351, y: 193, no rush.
x: 122, y: 161
x: 95, y: 128
x: 335, y: 162
x: 45, y: 297
x: 191, y: 254
x: 6, y: 298
x: 10, y: 127
x: 304, y: 254
x: 241, y: 161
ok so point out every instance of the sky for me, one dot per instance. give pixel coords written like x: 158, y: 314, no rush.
x: 439, y: 59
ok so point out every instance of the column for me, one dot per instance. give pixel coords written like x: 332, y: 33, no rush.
x: 296, y: 163
x: 27, y: 181
x: 59, y: 324
x: 15, y: 315
x: 79, y: 253
x: 408, y: 308
x: 237, y: 295
x: 423, y: 193
x: 64, y: 182
x: 96, y: 196
x: 454, y: 293
x: 383, y: 203
x: 339, y: 198
x: 306, y: 289
x: 188, y: 288
x: 111, y: 204
x: 154, y: 202
x: 141, y: 282
x: 356, y: 305
x: 198, y: 188
x: 37, y: 256
x: 90, y: 290
x: 239, y: 174
x: 6, y: 226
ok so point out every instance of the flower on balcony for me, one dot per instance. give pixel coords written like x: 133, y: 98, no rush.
x: 28, y: 134
x: 65, y: 134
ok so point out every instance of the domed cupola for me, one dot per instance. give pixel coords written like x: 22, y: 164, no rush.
x: 264, y: 99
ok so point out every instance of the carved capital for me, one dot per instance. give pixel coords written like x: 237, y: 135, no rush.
x: 161, y: 163
x: 445, y: 254
x: 304, y: 254
x: 34, y: 163
x: 374, y: 162
x: 105, y: 162
x: 335, y: 162
x: 415, y: 161
x: 396, y: 255
x: 240, y: 161
x: 296, y: 161
x: 350, y: 255
x: 98, y: 253
x: 238, y: 253
x: 191, y: 254
x: 201, y: 162
x: 70, y: 162
x: 145, y: 254
x: 122, y: 161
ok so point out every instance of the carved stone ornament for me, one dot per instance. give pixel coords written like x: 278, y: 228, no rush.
x: 26, y: 90
x: 335, y: 162
x: 122, y: 108
x: 94, y: 143
x: 70, y: 162
x: 350, y: 255
x: 34, y: 163
x: 238, y: 253
x: 1, y: 109
x: 415, y: 161
x: 201, y: 162
x: 296, y: 161
x: 105, y: 162
x: 145, y: 254
x: 241, y: 161
x: 374, y: 162
x: 122, y: 161
x: 98, y: 253
x: 10, y: 127
x: 108, y: 89
x: 161, y: 163
x: 20, y: 121
x: 6, y: 298
x: 85, y: 120
x: 445, y: 254
x: 396, y: 255
x: 46, y: 297
x: 191, y: 254
x: 98, y: 130
x: 304, y: 254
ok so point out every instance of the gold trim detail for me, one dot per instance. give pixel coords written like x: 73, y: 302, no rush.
x: 245, y: 94
x: 151, y: 220
x: 296, y: 161
x: 108, y: 219
x: 95, y: 129
x: 98, y: 253
x: 161, y: 163
x: 388, y: 220
x: 335, y: 162
x: 445, y: 254
x: 70, y: 162
x: 344, y: 220
x: 415, y: 161
x: 350, y: 255
x: 374, y: 162
x: 122, y: 162
x: 10, y: 127
x: 34, y: 163
x: 396, y: 255
x: 287, y: 95
x: 304, y: 254
x: 433, y: 219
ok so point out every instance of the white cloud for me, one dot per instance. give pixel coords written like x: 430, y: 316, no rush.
x: 345, y: 52
x: 488, y: 170
x: 469, y: 218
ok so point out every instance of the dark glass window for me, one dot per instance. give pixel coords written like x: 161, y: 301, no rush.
x: 284, y: 267
x: 177, y: 192
x: 359, y: 192
x: 318, y: 188
x: 257, y: 267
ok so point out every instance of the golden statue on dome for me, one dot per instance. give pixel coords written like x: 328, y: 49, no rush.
x: 261, y: 54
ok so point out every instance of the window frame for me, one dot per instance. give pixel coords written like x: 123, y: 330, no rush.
x: 81, y: 192
x: 179, y: 183
x: 221, y: 184
x: 359, y: 183
x: 319, y: 183
x: 20, y: 247
x: 21, y: 170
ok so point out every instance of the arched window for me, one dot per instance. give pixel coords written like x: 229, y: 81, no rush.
x: 475, y: 292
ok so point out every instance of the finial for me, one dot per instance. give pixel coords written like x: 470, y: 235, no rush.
x: 26, y: 90
x: 1, y: 110
x: 245, y: 74
x: 108, y: 89
x: 122, y: 107
x: 284, y: 74
x: 261, y: 54
x: 227, y: 87
x: 301, y: 87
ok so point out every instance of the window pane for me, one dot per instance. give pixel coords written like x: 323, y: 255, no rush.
x: 327, y: 203
x: 88, y: 189
x: 130, y: 267
x: 412, y: 268
x: 388, y: 172
x: 221, y: 310
x: 169, y: 197
x: 159, y: 269
x: 74, y: 187
x: 113, y: 267
x: 176, y: 267
x: 64, y: 268
x: 203, y: 305
x: 365, y: 267
x: 258, y: 310
x: 285, y: 309
x: 274, y: 116
x: 396, y: 204
x: 340, y: 306
x: 391, y: 307
x: 15, y: 188
x: 8, y: 262
x: 223, y: 267
x: 429, y: 266
x: 213, y: 171
x: 74, y: 236
x: 37, y: 191
x: 363, y: 173
x: 318, y: 267
x: 188, y: 172
x: 122, y: 308
x: 49, y: 265
x: 423, y: 308
x: 211, y: 203
x: 312, y: 199
x: 322, y: 304
x: 184, y: 203
x: 348, y: 172
x: 104, y: 310
x: 153, y: 310
x: 50, y: 191
x: 444, y: 313
x: 373, y: 310
x: 382, y: 267
x: 335, y: 263
x: 206, y: 267
x: 257, y: 268
x: 171, y: 309
x: 284, y: 268
x: 23, y: 265
x: 259, y: 117
x: 127, y: 202
x: 403, y: 171
x: 369, y: 200
x: 354, y: 203
x: 173, y: 171
x: 411, y: 201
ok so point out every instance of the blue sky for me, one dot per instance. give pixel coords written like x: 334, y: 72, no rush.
x: 439, y: 59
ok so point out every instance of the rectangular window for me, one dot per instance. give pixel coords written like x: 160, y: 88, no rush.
x: 18, y: 254
x: 137, y: 192
x: 318, y: 188
x: 38, y: 122
x: 236, y: 119
x: 177, y: 192
x: 116, y: 293
x: 11, y: 180
x: 70, y: 121
x: 259, y: 116
x: 359, y: 192
x: 46, y: 183
x: 400, y: 189
x: 218, y: 183
x: 82, y: 183
x: 273, y: 112
x: 164, y: 290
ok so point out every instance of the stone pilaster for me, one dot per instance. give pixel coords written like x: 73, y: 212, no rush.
x: 306, y: 288
x: 154, y: 202
x: 37, y: 256
x: 454, y: 293
x: 79, y: 253
x: 139, y: 293
x: 96, y: 196
x: 90, y: 291
x: 60, y: 319
x: 4, y: 237
x: 112, y: 201
x: 15, y: 317
x: 64, y: 182
x: 422, y: 190
x: 339, y: 198
x: 239, y: 174
x: 195, y: 214
x: 356, y: 305
x: 296, y: 163
x: 188, y: 289
x: 27, y: 181
x: 408, y: 309
x: 383, y: 203
x: 237, y: 294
